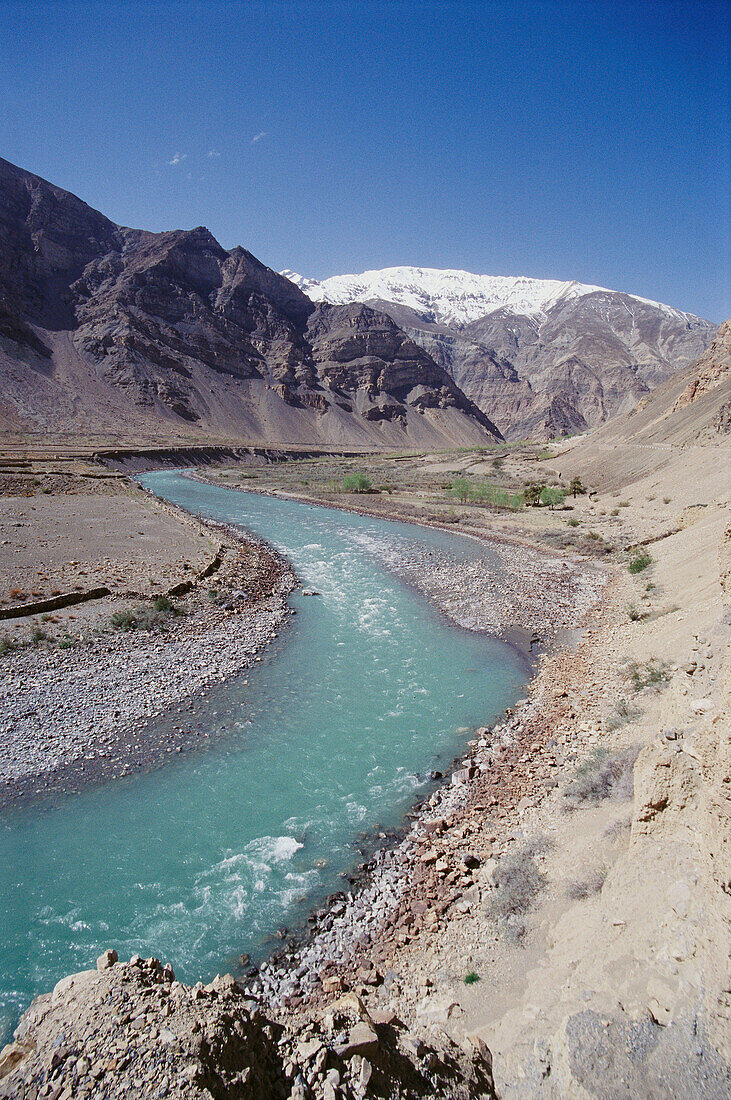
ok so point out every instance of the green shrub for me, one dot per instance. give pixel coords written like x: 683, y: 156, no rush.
x: 471, y: 978
x: 532, y: 493
x: 460, y: 489
x: 7, y: 645
x: 124, y: 620
x: 573, y: 522
x: 552, y: 496
x: 356, y: 483
x: 639, y: 562
x: 483, y: 492
x: 144, y: 618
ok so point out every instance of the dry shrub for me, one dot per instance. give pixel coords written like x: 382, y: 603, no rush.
x: 588, y: 884
x: 604, y: 774
x: 517, y: 883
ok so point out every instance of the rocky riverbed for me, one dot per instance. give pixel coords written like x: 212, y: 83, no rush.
x: 83, y: 714
x: 504, y: 586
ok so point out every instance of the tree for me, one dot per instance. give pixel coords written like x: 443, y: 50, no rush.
x: 532, y: 493
x: 461, y: 488
x: 357, y: 483
x: 577, y: 487
x: 552, y: 497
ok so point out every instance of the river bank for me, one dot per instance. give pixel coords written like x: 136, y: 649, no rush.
x: 521, y: 591
x: 400, y: 948
x: 63, y: 725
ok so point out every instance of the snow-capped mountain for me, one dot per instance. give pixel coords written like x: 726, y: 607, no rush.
x: 540, y: 357
x: 454, y: 298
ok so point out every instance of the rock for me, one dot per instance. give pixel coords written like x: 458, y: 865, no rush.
x: 437, y: 1011
x: 106, y: 959
x: 431, y: 856
x: 383, y: 1016
x: 362, y: 1039
x: 308, y: 1049
x: 73, y: 984
x: 661, y: 1001
x: 11, y: 1056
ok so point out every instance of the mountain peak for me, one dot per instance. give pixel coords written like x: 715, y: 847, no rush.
x: 452, y: 297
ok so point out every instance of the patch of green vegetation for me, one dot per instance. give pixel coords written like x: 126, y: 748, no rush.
x: 551, y: 496
x: 532, y: 493
x: 471, y: 978
x: 163, y: 603
x: 483, y: 492
x: 639, y: 562
x: 356, y: 483
x: 145, y: 618
x: 7, y: 645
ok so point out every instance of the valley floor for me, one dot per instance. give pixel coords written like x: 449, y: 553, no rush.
x: 559, y: 910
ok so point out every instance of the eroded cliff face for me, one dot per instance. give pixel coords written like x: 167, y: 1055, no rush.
x: 712, y: 370
x: 583, y: 362
x: 106, y: 329
x: 541, y: 359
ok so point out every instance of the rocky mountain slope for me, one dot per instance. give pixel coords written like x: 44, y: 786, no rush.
x: 683, y: 425
x: 541, y: 358
x: 116, y: 333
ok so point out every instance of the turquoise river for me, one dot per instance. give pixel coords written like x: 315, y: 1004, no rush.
x: 333, y: 735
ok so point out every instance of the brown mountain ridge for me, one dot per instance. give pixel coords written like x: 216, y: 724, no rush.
x: 110, y: 333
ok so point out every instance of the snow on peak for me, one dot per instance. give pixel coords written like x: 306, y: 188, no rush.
x: 444, y: 297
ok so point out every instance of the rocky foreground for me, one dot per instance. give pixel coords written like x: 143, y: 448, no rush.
x: 131, y: 1030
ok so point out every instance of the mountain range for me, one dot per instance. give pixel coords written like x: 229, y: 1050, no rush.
x: 115, y: 334
x: 111, y: 333
x: 541, y: 358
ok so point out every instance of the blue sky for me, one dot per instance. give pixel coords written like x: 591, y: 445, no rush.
x: 584, y: 140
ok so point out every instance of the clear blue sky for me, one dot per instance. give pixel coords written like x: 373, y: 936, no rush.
x: 585, y: 140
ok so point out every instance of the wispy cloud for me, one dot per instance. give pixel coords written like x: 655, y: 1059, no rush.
x: 259, y: 136
x: 212, y: 153
x: 178, y: 158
